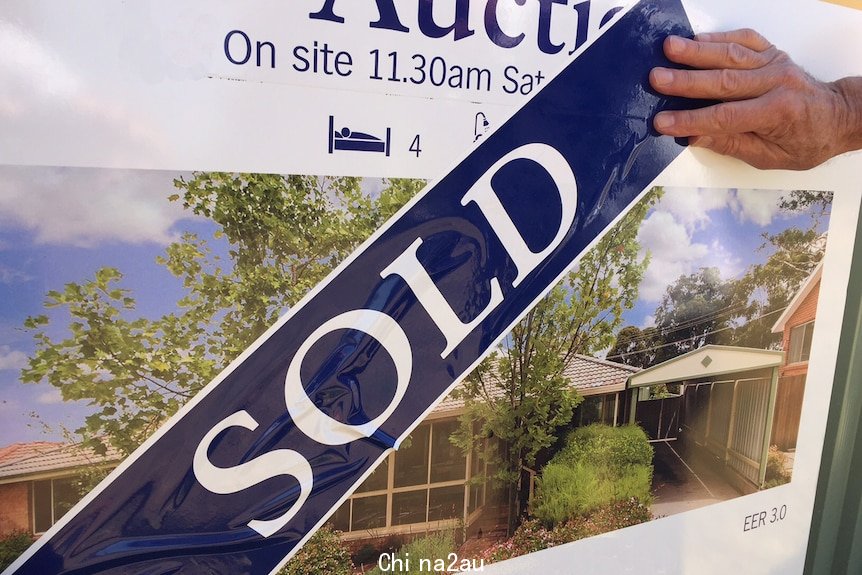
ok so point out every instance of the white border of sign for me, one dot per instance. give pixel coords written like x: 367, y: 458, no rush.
x: 703, y: 541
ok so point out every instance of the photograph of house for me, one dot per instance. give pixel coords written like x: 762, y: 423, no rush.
x: 426, y: 485
x: 796, y: 326
x: 664, y: 373
x: 40, y: 481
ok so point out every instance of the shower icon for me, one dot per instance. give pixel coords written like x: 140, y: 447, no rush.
x: 480, y: 126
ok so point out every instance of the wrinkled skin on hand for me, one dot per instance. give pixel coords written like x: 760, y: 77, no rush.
x: 772, y: 113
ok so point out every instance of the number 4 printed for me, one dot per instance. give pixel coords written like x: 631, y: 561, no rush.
x: 414, y: 147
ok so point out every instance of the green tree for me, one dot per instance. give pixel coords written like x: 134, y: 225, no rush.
x: 695, y: 310
x: 817, y: 203
x: 285, y: 233
x: 767, y: 288
x: 793, y: 253
x: 635, y: 346
x: 519, y: 396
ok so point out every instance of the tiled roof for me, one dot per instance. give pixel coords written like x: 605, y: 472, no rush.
x: 21, y: 459
x: 589, y: 375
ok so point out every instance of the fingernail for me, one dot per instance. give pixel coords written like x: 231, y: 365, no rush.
x: 702, y: 142
x: 662, y: 76
x: 675, y: 44
x: 663, y: 121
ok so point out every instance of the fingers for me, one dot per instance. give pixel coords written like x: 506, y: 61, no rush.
x: 714, y: 55
x: 749, y: 148
x: 721, y: 119
x: 712, y: 84
x: 745, y: 37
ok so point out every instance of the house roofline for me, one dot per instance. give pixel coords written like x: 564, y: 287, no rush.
x: 59, y: 473
x: 648, y: 377
x: 609, y: 363
x: 39, y: 461
x: 793, y: 306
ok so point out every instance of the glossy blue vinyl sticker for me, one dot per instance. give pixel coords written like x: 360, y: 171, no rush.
x: 241, y: 476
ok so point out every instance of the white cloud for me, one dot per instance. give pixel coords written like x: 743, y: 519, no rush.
x: 649, y: 321
x: 673, y: 253
x: 669, y: 230
x: 691, y: 206
x: 371, y: 186
x: 756, y: 206
x: 11, y: 359
x: 9, y: 276
x: 718, y: 256
x: 83, y: 206
x: 42, y: 85
x: 32, y: 62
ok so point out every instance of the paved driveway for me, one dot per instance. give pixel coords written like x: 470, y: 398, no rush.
x: 681, y: 485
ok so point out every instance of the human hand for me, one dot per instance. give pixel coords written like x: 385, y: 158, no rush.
x: 772, y: 113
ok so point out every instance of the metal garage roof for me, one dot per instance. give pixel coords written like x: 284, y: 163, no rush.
x: 707, y: 361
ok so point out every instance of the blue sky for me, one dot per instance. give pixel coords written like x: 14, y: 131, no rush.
x: 61, y: 224
x: 692, y: 228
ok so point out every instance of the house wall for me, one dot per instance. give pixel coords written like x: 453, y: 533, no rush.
x: 807, y: 311
x: 14, y: 508
x: 791, y: 383
x: 788, y: 411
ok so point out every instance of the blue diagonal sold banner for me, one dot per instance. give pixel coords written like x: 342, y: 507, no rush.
x: 243, y: 475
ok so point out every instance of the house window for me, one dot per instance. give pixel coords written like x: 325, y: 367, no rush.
x: 448, y: 462
x: 596, y: 409
x: 424, y: 481
x: 52, y: 498
x: 411, y: 461
x: 800, y: 342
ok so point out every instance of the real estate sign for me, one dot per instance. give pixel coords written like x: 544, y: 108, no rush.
x: 548, y: 102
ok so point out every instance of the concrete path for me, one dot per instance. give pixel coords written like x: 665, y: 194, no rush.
x: 682, y: 485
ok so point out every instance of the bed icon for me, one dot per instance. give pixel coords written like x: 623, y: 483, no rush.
x: 349, y: 140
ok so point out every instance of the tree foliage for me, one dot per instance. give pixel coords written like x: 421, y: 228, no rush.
x: 692, y: 312
x: 284, y: 233
x: 818, y: 203
x: 703, y: 308
x: 635, y: 346
x: 12, y: 545
x: 519, y: 394
x: 767, y: 288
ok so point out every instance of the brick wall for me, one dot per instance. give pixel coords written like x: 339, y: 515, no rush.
x: 14, y: 507
x: 807, y: 311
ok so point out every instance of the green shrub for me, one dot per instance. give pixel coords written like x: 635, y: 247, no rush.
x: 598, y: 466
x: 432, y: 547
x: 323, y: 553
x: 368, y: 553
x: 776, y: 468
x: 611, y: 517
x: 534, y: 536
x: 608, y: 446
x: 566, y: 492
x: 12, y: 546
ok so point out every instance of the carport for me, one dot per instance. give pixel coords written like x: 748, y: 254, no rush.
x: 725, y: 404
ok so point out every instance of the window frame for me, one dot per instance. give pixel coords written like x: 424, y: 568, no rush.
x: 425, y: 487
x: 52, y: 501
x: 800, y: 333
